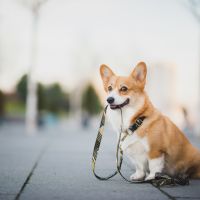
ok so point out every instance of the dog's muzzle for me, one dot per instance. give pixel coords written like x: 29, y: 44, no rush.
x: 113, y: 106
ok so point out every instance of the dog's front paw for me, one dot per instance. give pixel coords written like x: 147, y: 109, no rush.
x: 150, y: 177
x: 137, y: 176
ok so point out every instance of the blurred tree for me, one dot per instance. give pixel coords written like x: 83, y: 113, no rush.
x: 22, y: 88
x: 194, y: 7
x: 90, y: 101
x: 50, y: 98
x: 56, y: 99
x: 2, y: 104
x: 41, y: 97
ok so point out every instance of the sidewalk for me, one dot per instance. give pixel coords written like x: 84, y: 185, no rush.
x: 56, y: 164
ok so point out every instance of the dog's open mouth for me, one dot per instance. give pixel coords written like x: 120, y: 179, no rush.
x: 113, y: 106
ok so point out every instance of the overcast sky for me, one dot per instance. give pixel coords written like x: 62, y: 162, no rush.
x: 75, y: 37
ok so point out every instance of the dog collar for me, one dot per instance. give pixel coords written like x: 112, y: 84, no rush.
x: 133, y: 127
x: 137, y: 124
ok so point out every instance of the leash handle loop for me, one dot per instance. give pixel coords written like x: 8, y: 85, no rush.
x: 97, y: 146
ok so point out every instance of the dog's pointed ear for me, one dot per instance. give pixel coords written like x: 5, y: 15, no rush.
x: 139, y: 74
x: 106, y: 73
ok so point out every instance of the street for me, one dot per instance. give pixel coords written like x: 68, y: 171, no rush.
x: 56, y: 164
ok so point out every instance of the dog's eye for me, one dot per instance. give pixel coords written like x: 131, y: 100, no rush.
x: 123, y: 89
x: 109, y: 88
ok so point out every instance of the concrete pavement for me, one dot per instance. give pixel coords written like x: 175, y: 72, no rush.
x: 56, y: 164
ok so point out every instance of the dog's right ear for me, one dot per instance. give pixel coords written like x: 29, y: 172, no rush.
x: 106, y: 74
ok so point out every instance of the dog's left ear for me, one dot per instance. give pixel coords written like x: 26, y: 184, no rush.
x: 139, y: 74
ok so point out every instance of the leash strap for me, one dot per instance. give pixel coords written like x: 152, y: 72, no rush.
x: 161, y: 179
x: 96, y: 148
x: 119, y: 152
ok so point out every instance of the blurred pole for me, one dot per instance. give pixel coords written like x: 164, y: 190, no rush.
x: 194, y: 7
x: 31, y: 101
x: 198, y: 86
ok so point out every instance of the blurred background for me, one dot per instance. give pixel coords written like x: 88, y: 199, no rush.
x: 51, y: 50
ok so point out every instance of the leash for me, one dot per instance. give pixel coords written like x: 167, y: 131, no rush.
x: 97, y: 145
x: 161, y: 179
x: 119, y: 151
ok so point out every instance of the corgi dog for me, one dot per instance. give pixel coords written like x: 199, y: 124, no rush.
x: 157, y: 145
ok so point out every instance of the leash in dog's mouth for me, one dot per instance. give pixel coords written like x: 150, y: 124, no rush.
x: 113, y: 106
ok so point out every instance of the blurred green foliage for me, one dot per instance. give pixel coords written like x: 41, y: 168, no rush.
x: 2, y: 104
x: 22, y: 88
x: 14, y: 107
x: 53, y: 99
x: 50, y: 98
x: 90, y: 101
x: 41, y: 97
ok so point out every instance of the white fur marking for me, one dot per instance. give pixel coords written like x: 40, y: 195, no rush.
x: 155, y: 165
x: 133, y: 138
x: 118, y: 99
x: 137, y: 154
x: 135, y: 147
x: 135, y: 150
x: 114, y: 117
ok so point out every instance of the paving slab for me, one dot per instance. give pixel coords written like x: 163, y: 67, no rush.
x: 64, y: 172
x: 190, y: 191
x: 7, y: 196
x: 18, y: 153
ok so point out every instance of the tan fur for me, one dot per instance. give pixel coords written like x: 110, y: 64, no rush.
x: 163, y: 135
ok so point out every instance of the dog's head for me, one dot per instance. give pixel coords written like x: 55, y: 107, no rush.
x: 122, y: 90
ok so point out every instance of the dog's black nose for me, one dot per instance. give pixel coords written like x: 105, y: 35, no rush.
x: 110, y: 100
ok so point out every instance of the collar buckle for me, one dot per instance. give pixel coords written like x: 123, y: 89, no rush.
x: 137, y: 124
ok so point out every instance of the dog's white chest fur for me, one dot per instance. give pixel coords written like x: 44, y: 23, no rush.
x: 115, y: 117
x: 134, y: 147
x: 132, y: 140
